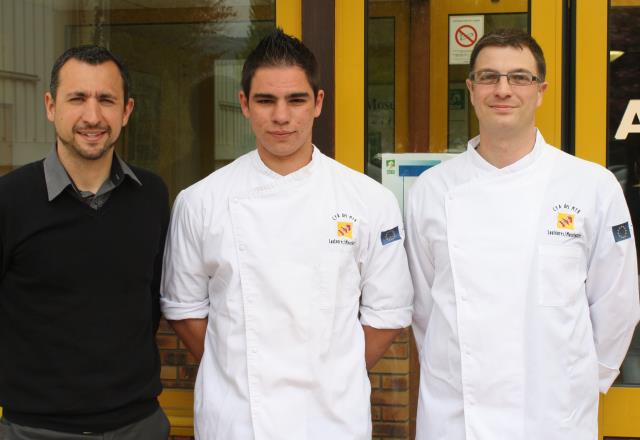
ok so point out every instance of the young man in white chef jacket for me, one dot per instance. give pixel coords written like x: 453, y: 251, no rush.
x: 524, y: 270
x: 285, y: 272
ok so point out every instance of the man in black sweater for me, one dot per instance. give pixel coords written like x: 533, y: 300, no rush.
x: 81, y: 242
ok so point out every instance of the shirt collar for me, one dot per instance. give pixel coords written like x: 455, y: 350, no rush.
x: 57, y: 179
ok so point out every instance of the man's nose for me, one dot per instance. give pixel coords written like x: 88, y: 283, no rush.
x: 92, y: 112
x: 280, y: 112
x: 503, y: 88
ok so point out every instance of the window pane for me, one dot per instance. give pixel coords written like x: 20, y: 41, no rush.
x: 623, y: 153
x: 185, y: 59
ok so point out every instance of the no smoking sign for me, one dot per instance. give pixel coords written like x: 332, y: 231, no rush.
x: 466, y: 35
x: 464, y: 32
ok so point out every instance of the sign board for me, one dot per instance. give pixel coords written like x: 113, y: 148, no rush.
x: 464, y: 32
x: 400, y: 170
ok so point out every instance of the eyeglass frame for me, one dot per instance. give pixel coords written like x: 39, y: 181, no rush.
x: 534, y: 78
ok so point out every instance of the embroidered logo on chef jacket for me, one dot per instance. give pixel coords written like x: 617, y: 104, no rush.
x: 345, y: 229
x: 566, y: 220
x: 621, y: 232
x: 390, y: 236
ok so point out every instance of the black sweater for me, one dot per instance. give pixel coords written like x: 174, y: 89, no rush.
x: 79, y: 303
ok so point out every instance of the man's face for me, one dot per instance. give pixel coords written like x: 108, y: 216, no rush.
x: 281, y: 108
x: 88, y: 110
x: 503, y: 108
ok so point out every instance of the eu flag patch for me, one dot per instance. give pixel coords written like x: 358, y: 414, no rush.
x: 390, y: 236
x: 621, y: 232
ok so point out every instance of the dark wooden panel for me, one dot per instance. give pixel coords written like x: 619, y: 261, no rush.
x: 318, y: 34
x: 419, y: 77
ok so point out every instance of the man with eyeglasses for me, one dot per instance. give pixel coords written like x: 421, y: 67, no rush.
x: 524, y: 270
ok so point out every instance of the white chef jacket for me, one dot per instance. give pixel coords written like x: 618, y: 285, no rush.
x: 526, y: 295
x: 287, y: 269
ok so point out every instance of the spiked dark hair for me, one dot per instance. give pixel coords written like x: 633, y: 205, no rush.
x: 280, y: 49
x: 90, y: 54
x: 511, y: 38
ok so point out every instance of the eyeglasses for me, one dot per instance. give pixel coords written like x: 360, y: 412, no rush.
x: 520, y: 78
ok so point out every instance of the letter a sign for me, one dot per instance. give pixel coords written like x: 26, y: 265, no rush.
x: 626, y: 124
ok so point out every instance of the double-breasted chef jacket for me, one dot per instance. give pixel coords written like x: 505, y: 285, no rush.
x: 287, y: 269
x: 526, y: 295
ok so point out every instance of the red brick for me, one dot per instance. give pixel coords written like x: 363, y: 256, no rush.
x: 395, y: 413
x: 391, y: 366
x: 173, y: 357
x: 395, y: 382
x: 376, y: 413
x: 168, y: 373
x: 388, y: 397
x: 386, y: 430
x: 167, y: 341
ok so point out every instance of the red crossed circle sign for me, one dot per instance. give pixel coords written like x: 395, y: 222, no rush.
x: 466, y: 35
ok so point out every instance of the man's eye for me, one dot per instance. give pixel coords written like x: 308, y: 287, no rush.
x: 488, y: 76
x: 264, y: 101
x: 520, y: 77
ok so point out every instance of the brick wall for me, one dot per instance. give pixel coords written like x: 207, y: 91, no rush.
x: 393, y: 382
x: 179, y: 367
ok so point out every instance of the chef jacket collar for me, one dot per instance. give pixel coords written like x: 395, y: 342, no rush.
x: 524, y: 162
x: 304, y: 171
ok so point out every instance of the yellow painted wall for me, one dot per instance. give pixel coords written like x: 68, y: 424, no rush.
x: 349, y: 83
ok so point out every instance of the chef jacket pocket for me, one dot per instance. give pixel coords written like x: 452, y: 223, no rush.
x: 341, y: 278
x: 561, y: 274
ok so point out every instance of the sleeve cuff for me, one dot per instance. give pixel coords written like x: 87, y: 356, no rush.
x: 606, y: 377
x: 177, y: 311
x: 386, y: 319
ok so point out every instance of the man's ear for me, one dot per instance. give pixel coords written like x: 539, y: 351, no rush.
x: 319, y: 101
x: 128, y: 109
x: 470, y: 89
x: 50, y: 106
x: 244, y: 104
x: 541, y: 89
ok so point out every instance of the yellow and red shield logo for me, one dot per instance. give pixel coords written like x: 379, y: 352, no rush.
x: 345, y: 229
x: 566, y: 221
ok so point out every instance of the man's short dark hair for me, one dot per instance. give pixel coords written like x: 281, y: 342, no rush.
x: 279, y: 49
x: 511, y: 38
x: 90, y: 54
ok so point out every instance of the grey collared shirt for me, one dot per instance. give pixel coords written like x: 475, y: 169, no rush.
x: 57, y: 180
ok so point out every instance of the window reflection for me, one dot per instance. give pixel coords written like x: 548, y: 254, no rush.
x: 185, y: 60
x: 623, y: 153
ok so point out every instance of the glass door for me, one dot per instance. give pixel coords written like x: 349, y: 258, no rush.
x: 621, y: 406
